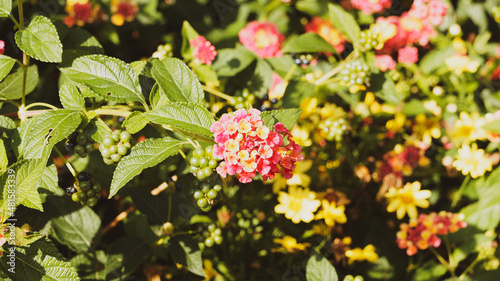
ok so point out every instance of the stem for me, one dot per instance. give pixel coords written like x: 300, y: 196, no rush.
x: 459, y: 192
x: 14, y: 20
x: 182, y: 154
x: 469, y: 268
x: 444, y: 262
x: 217, y: 93
x: 290, y: 72
x: 11, y: 102
x: 113, y: 112
x: 20, y: 27
x: 40, y: 104
x: 169, y: 215
x: 334, y: 71
x: 184, y: 232
x: 70, y: 167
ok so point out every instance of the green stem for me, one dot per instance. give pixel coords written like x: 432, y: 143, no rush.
x: 335, y: 70
x: 458, y: 194
x: 452, y: 266
x: 469, y: 268
x: 40, y: 104
x: 113, y: 112
x: 11, y: 102
x: 14, y: 20
x: 217, y: 93
x: 70, y: 167
x: 290, y: 72
x: 184, y: 232
x: 443, y: 262
x: 25, y: 56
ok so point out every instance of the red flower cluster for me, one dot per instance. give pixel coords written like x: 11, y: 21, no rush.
x: 424, y: 233
x: 371, y: 6
x: 204, y: 51
x: 401, y: 162
x: 327, y: 31
x: 247, y: 146
x: 79, y: 14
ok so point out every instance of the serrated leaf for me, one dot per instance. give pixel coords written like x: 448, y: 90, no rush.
x: 4, y: 161
x: 308, y: 43
x: 73, y: 225
x: 144, y: 155
x: 11, y: 87
x: 40, y: 40
x: 187, y: 117
x: 287, y: 117
x: 97, y: 130
x: 344, y: 22
x: 70, y: 97
x: 50, y: 179
x: 136, y: 224
x: 24, y: 240
x: 230, y: 62
x: 46, y: 130
x: 177, y: 80
x: 188, y: 34
x: 185, y: 250
x: 157, y: 97
x: 109, y: 77
x: 135, y: 122
x: 40, y: 261
x: 5, y: 8
x: 125, y: 255
x: 262, y: 78
x: 6, y: 64
x: 320, y: 269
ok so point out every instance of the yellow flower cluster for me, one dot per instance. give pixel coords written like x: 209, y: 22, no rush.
x: 406, y: 200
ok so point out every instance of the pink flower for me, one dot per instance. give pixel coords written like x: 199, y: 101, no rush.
x: 204, y: 52
x: 256, y: 149
x: 408, y: 55
x: 385, y: 62
x: 2, y: 47
x: 262, y: 38
x: 327, y: 31
x: 371, y: 6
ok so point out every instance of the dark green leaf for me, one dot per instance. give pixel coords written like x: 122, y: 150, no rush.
x: 185, y: 251
x: 125, y: 255
x: 308, y: 43
x: 154, y: 207
x: 230, y: 62
x: 11, y: 87
x: 77, y: 38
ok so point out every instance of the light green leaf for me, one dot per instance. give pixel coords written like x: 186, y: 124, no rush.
x: 308, y: 43
x: 4, y: 161
x: 40, y: 261
x: 435, y: 59
x: 98, y: 130
x: 50, y: 179
x: 6, y: 64
x: 187, y: 117
x: 5, y: 8
x: 287, y: 117
x: 413, y: 108
x: 388, y: 92
x: 46, y: 130
x: 135, y: 122
x: 73, y: 225
x: 144, y: 155
x: 157, y: 97
x: 493, y: 126
x: 109, y: 77
x: 205, y: 74
x: 344, y: 22
x: 230, y: 62
x: 185, y: 250
x: 11, y: 87
x: 70, y: 97
x: 188, y: 34
x: 319, y: 269
x: 40, y: 40
x: 177, y: 80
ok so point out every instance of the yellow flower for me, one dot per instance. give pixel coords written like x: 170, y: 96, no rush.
x: 468, y: 128
x: 426, y: 128
x: 209, y: 270
x: 331, y: 213
x: 395, y: 125
x: 308, y: 106
x: 385, y: 31
x: 299, y: 177
x: 407, y: 199
x: 298, y: 204
x: 358, y: 254
x: 461, y: 63
x: 301, y: 136
x: 290, y: 244
x: 472, y: 161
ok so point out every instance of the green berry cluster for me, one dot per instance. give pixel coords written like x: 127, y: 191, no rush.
x: 203, y: 163
x: 206, y: 195
x: 81, y: 143
x: 244, y: 101
x: 115, y: 145
x: 86, y: 190
x: 354, y: 73
x: 368, y: 40
x: 333, y: 128
x: 302, y: 59
x: 213, y: 236
x: 352, y: 278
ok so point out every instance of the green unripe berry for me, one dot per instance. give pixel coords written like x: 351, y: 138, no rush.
x: 168, y: 229
x: 127, y: 145
x: 122, y: 150
x: 113, y: 149
x: 79, y: 149
x: 218, y: 232
x: 97, y: 187
x: 81, y: 139
x: 125, y: 136
x: 359, y: 278
x: 206, y: 208
x: 81, y: 196
x: 203, y: 162
x: 213, y: 163
x: 209, y: 242
x: 90, y: 193
x: 203, y: 202
x: 349, y: 278
x: 115, y: 137
x: 108, y: 161
x: 194, y: 162
x: 89, y: 147
x: 101, y: 147
x: 218, y: 240
x: 207, y: 171
x: 84, y: 185
x: 217, y: 187
x: 107, y: 142
x: 75, y: 197
x: 200, y: 175
x: 205, y: 187
x: 212, y: 194
x: 92, y: 201
x: 211, y: 227
x: 199, y: 152
x: 198, y: 195
x: 116, y: 157
x: 193, y: 169
x: 208, y: 151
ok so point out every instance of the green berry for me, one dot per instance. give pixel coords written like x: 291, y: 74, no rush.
x: 208, y: 151
x: 116, y: 157
x: 81, y: 139
x: 79, y: 149
x: 217, y: 187
x: 218, y: 240
x: 194, y: 162
x: 193, y: 169
x: 84, y: 185
x: 203, y: 202
x: 92, y: 201
x: 211, y: 228
x: 106, y: 153
x: 212, y: 194
x: 207, y: 171
x: 206, y: 208
x: 205, y: 187
x: 203, y: 162
x: 198, y: 194
x: 107, y: 142
x: 75, y: 197
x: 213, y: 163
x: 81, y: 196
x: 90, y: 193
x: 209, y: 242
x: 359, y: 278
x: 200, y: 175
x: 199, y: 152
x: 97, y: 187
x: 108, y: 161
x: 116, y: 137
x: 122, y: 150
x: 127, y: 145
x: 113, y: 149
x: 217, y: 232
x: 125, y: 136
x: 101, y: 147
x: 168, y: 228
x: 89, y: 147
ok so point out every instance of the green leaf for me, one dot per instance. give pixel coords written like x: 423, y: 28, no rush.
x: 205, y: 74
x: 435, y: 59
x: 27, y: 178
x: 188, y: 34
x: 282, y: 65
x: 5, y: 8
x: 11, y: 87
x: 73, y: 225
x: 40, y: 40
x: 78, y: 38
x: 144, y: 155
x: 135, y: 122
x: 312, y: 7
x: 154, y: 207
x: 177, y: 80
x: 493, y: 126
x: 262, y: 78
x: 185, y: 250
x: 230, y: 62
x: 50, y: 179
x: 46, y: 130
x: 136, y: 224
x: 187, y: 117
x: 295, y: 92
x: 109, y: 77
x: 157, y: 97
x: 430, y: 271
x: 125, y: 255
x: 308, y: 43
x: 384, y: 88
x: 4, y: 161
x: 70, y: 97
x: 98, y: 130
x: 413, y: 108
x: 319, y: 269
x: 39, y: 261
x: 344, y: 22
x: 287, y: 117
x: 6, y: 64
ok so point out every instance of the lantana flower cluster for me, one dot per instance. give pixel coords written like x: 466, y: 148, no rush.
x: 423, y: 233
x: 327, y: 31
x: 248, y: 147
x: 371, y: 6
x: 79, y: 12
x: 203, y: 50
x: 263, y: 38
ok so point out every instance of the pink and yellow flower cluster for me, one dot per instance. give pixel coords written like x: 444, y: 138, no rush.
x: 203, y: 51
x: 248, y: 147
